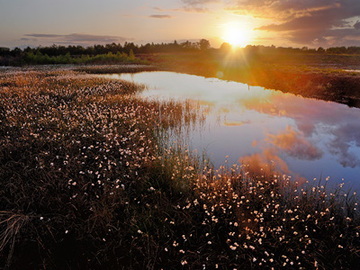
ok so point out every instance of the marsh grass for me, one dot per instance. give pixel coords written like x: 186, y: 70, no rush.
x: 272, y: 222
x: 89, y: 180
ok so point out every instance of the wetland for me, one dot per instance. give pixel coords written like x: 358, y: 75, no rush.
x: 93, y: 174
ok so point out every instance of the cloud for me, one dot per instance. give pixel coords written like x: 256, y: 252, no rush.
x: 81, y: 39
x: 157, y: 16
x: 357, y: 25
x: 158, y: 9
x: 44, y: 35
x: 197, y: 5
x: 285, y: 10
x: 28, y: 39
x: 192, y: 9
x: 295, y: 144
x: 307, y: 21
x: 198, y: 2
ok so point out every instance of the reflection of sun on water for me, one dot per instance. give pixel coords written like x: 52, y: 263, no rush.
x: 237, y: 35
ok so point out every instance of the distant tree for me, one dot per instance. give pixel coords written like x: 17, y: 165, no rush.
x: 353, y: 50
x: 147, y: 48
x: 321, y: 50
x: 4, y: 51
x: 16, y: 52
x: 99, y: 49
x: 204, y: 44
x: 188, y: 46
x: 113, y: 48
x: 225, y: 47
x: 128, y: 46
x: 131, y: 55
x: 336, y: 50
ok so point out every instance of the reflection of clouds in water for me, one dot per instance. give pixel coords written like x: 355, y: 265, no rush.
x: 291, y: 142
x: 345, y: 135
x: 239, y: 120
x: 235, y: 123
x: 314, y: 117
x: 295, y: 144
x: 268, y: 162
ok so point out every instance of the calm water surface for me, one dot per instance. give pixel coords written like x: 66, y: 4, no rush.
x: 305, y: 138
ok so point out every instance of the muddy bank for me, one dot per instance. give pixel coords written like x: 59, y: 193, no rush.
x: 106, y: 69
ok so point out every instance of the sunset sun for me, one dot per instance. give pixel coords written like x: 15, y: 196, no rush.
x: 236, y: 35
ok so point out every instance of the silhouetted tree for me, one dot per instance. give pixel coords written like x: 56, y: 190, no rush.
x: 204, y: 44
x: 225, y: 47
x: 4, y: 51
x: 16, y: 52
x: 321, y: 50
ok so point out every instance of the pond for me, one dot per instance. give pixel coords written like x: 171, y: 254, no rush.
x: 302, y: 137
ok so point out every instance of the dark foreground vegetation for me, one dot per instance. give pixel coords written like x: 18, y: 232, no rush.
x: 87, y: 182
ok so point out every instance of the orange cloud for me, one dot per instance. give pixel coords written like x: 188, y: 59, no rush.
x: 235, y: 124
x: 295, y: 144
x: 267, y: 162
x: 157, y: 16
x: 305, y: 22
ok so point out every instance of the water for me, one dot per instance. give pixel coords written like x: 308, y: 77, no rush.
x: 305, y: 138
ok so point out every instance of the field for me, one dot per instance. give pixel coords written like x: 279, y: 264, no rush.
x: 88, y: 180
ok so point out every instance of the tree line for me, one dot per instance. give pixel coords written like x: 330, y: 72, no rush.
x: 59, y: 54
x: 109, y: 53
x: 56, y: 50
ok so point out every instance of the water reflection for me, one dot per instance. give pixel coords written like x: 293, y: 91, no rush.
x: 303, y: 137
x: 294, y: 144
x: 335, y: 125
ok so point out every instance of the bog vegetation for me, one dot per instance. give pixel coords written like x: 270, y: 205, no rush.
x: 88, y: 180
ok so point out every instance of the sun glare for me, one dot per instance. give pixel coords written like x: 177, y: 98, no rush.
x: 236, y: 35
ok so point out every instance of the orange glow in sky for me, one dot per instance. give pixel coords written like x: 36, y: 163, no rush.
x: 237, y: 35
x: 240, y: 23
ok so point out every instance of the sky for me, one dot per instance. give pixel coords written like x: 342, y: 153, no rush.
x: 295, y: 23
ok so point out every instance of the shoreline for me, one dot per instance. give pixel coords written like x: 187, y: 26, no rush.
x: 308, y: 80
x: 339, y: 84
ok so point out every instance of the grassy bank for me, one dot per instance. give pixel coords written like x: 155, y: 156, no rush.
x: 86, y: 182
x: 112, y: 69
